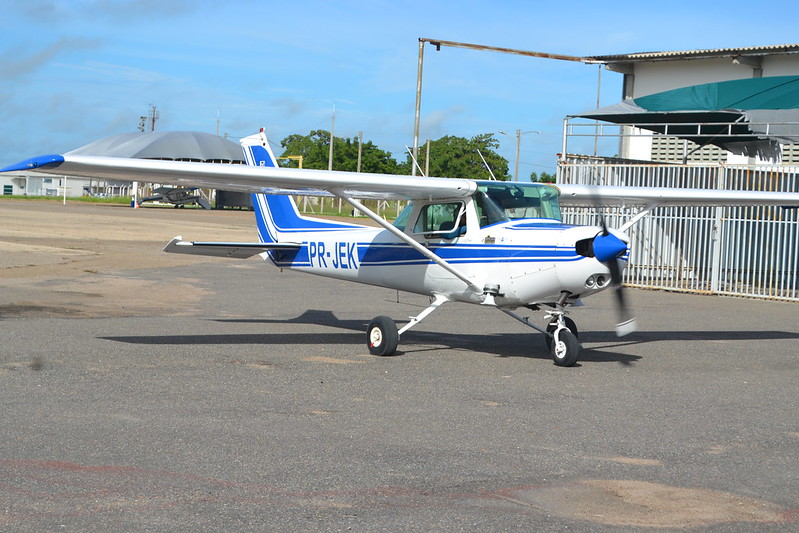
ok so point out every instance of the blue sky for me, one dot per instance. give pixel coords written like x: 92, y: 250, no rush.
x: 75, y: 71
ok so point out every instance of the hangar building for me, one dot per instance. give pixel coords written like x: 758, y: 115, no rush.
x: 708, y: 119
x: 170, y: 145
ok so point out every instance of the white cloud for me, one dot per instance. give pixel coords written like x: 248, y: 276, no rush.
x: 17, y: 61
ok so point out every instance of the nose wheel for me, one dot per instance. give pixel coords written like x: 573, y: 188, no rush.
x: 563, y: 343
x: 560, y: 335
x: 553, y: 326
x: 565, y: 347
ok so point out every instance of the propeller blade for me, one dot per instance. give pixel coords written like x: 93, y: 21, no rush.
x: 607, y: 248
x: 627, y: 323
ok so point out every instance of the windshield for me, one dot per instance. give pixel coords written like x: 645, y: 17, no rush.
x: 523, y: 200
x: 402, y: 219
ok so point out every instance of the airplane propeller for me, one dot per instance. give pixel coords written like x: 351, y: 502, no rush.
x: 607, y: 248
x: 612, y: 248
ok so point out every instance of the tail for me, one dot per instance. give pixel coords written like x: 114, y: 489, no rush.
x: 276, y: 214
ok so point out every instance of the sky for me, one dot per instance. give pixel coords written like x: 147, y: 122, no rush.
x: 75, y: 71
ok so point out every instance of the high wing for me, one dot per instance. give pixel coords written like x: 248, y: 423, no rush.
x: 255, y: 179
x: 365, y: 185
x: 650, y: 197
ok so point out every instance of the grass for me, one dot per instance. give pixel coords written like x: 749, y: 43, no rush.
x: 123, y: 200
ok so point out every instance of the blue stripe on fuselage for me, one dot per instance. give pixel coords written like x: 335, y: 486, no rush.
x: 395, y: 254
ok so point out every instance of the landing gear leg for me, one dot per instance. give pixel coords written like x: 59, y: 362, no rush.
x: 563, y: 341
x: 568, y: 323
x: 560, y: 335
x: 382, y: 336
x: 564, y: 346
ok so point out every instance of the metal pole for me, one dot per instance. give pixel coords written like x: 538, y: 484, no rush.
x: 360, y: 149
x: 332, y: 127
x: 596, y: 123
x: 427, y: 160
x: 330, y: 152
x: 418, y: 106
x: 518, y: 146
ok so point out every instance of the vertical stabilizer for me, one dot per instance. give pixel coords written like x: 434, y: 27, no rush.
x: 270, y: 210
x: 276, y: 214
x: 257, y: 151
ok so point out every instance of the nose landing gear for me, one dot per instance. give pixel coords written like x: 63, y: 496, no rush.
x: 560, y: 335
x: 563, y: 344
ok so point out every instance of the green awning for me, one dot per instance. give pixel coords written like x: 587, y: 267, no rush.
x: 776, y: 92
x: 749, y: 117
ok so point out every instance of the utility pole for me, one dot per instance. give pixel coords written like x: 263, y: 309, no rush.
x: 153, y: 117
x: 518, y: 147
x: 330, y: 153
x: 332, y: 127
x: 360, y: 149
x: 427, y: 160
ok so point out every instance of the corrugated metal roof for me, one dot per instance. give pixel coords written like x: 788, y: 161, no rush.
x: 697, y: 54
x: 177, y: 145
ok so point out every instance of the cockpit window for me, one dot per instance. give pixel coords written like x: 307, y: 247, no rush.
x: 487, y: 210
x: 404, y: 216
x: 523, y: 200
x: 438, y: 218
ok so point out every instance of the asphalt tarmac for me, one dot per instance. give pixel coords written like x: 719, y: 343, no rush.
x: 244, y: 399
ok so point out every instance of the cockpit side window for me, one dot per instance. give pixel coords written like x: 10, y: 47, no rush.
x: 404, y: 217
x: 439, y: 218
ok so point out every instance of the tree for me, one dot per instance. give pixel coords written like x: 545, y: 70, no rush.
x: 312, y: 147
x: 545, y: 177
x: 315, y: 151
x: 458, y: 157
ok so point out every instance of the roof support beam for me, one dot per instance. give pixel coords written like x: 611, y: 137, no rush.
x: 529, y: 53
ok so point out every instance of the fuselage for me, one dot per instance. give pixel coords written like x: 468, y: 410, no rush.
x: 531, y: 260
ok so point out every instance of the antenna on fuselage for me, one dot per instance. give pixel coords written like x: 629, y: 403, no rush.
x: 486, y: 164
x: 415, y: 162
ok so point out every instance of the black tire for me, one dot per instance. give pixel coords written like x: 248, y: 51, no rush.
x: 381, y: 336
x: 566, y: 350
x: 554, y: 325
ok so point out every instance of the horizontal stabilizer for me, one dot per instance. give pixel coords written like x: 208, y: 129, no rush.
x: 238, y: 250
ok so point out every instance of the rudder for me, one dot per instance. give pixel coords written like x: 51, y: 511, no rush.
x: 277, y: 215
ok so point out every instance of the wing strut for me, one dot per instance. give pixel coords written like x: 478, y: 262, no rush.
x: 411, y: 242
x: 639, y: 215
x: 439, y: 299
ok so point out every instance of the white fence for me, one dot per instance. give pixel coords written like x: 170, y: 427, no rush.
x: 739, y: 251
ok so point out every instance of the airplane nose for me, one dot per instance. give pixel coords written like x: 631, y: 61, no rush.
x: 608, y: 247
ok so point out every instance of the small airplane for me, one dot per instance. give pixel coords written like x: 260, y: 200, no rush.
x: 492, y: 243
x: 179, y: 196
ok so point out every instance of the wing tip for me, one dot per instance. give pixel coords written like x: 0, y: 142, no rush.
x: 35, y: 162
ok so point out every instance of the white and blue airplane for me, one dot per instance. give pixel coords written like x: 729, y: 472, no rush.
x: 491, y: 243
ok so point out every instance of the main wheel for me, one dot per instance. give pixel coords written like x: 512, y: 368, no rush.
x: 381, y: 336
x: 568, y: 322
x: 566, y: 349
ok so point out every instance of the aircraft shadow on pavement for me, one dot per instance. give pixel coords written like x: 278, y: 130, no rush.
x: 522, y: 344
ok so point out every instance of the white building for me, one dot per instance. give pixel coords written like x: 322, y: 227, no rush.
x: 648, y: 73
